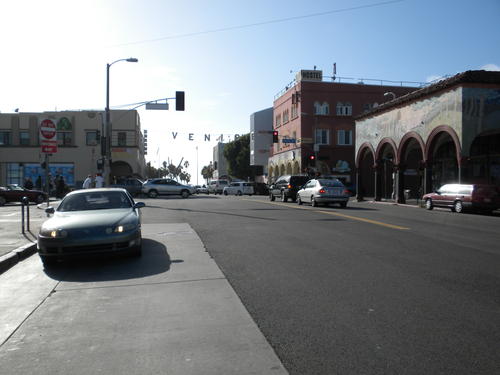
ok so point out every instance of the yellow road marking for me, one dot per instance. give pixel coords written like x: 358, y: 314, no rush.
x: 375, y: 222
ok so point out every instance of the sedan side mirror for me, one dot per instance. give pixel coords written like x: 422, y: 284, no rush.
x: 49, y: 210
x: 139, y: 205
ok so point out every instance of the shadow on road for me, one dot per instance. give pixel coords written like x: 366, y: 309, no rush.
x: 154, y: 260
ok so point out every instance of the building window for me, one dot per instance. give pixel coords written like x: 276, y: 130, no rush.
x: 24, y: 138
x: 64, y: 138
x: 345, y: 137
x: 278, y: 120
x: 344, y: 109
x: 14, y: 174
x: 286, y: 115
x: 322, y: 137
x: 91, y: 138
x: 122, y: 139
x: 321, y: 109
x: 294, y: 110
x: 5, y: 138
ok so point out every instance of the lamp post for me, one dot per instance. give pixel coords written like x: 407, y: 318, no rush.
x: 107, y: 156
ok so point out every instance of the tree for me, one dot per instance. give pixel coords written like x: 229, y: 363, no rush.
x: 237, y: 154
x: 169, y: 170
x: 207, y: 172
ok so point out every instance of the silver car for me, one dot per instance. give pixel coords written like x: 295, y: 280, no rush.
x: 323, y: 191
x: 166, y: 186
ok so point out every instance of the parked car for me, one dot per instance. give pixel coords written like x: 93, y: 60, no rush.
x: 166, y: 186
x: 260, y: 188
x: 132, y: 185
x: 239, y: 188
x: 323, y: 191
x: 14, y: 193
x: 201, y: 189
x: 286, y: 187
x: 217, y: 186
x: 89, y: 222
x: 460, y: 197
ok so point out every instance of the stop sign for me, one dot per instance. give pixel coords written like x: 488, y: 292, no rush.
x: 48, y: 129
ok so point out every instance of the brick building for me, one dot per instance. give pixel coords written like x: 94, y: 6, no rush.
x: 315, y: 124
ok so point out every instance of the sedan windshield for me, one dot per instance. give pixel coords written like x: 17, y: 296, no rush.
x: 95, y: 201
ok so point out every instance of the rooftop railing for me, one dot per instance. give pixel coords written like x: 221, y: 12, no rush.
x: 358, y: 81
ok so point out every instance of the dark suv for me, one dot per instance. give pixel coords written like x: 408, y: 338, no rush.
x: 484, y: 198
x: 286, y: 187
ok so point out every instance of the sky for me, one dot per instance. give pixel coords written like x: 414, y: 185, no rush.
x: 231, y: 57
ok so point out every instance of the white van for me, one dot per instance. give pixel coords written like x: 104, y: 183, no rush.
x: 239, y: 188
x: 217, y: 186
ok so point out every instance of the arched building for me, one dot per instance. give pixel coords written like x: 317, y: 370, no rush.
x: 446, y: 132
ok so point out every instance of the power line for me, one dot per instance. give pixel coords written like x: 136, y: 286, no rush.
x: 229, y: 28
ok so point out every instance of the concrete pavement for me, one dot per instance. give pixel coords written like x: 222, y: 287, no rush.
x: 182, y: 316
x: 15, y: 245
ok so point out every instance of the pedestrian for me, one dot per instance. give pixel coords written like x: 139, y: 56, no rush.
x: 87, y: 183
x: 60, y: 185
x: 28, y: 184
x: 99, y: 181
x: 38, y: 182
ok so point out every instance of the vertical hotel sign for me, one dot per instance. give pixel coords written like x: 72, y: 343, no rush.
x: 48, y: 136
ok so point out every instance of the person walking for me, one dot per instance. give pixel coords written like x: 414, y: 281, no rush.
x: 99, y: 181
x: 60, y: 187
x: 87, y: 183
x: 28, y: 184
x: 38, y: 182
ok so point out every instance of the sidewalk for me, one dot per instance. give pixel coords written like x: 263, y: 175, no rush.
x: 14, y: 245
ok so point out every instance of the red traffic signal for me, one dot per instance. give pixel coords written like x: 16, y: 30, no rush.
x: 275, y: 136
x: 312, y: 157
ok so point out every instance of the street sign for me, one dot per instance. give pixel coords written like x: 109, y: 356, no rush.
x: 48, y: 136
x: 289, y: 140
x: 160, y: 106
x: 47, y: 129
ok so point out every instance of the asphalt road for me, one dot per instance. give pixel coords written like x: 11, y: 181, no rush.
x: 371, y: 289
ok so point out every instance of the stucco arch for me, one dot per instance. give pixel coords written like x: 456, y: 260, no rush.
x: 365, y: 147
x: 429, y: 145
x: 405, y: 141
x: 387, y: 142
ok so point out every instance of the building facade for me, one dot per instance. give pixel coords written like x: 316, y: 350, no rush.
x: 220, y: 162
x: 315, y: 124
x: 446, y: 132
x: 261, y: 139
x: 78, y: 146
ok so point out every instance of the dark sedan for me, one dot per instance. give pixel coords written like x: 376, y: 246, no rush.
x: 91, y: 221
x: 15, y: 193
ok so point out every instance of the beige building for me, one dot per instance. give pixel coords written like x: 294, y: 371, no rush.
x: 77, y: 135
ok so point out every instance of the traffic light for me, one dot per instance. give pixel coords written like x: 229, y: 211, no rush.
x: 312, y: 157
x: 179, y: 100
x: 275, y: 136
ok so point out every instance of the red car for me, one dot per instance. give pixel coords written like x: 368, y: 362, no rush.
x: 458, y: 197
x: 14, y: 193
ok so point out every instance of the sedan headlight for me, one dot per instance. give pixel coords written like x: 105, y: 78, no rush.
x: 53, y: 233
x: 125, y: 228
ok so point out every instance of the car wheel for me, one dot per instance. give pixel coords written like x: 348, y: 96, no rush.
x: 225, y: 193
x: 428, y: 204
x: 2, y: 201
x: 152, y: 194
x: 239, y: 193
x: 271, y: 197
x: 284, y: 198
x: 184, y: 194
x: 458, y: 207
x: 313, y: 202
x: 40, y: 199
x: 299, y: 201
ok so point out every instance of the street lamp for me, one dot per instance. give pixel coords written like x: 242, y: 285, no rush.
x: 107, y: 156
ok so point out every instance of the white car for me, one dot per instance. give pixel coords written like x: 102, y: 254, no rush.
x: 239, y: 188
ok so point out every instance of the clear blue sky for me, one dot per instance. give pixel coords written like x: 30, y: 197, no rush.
x: 54, y: 55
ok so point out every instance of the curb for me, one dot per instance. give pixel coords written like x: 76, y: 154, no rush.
x: 15, y: 256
